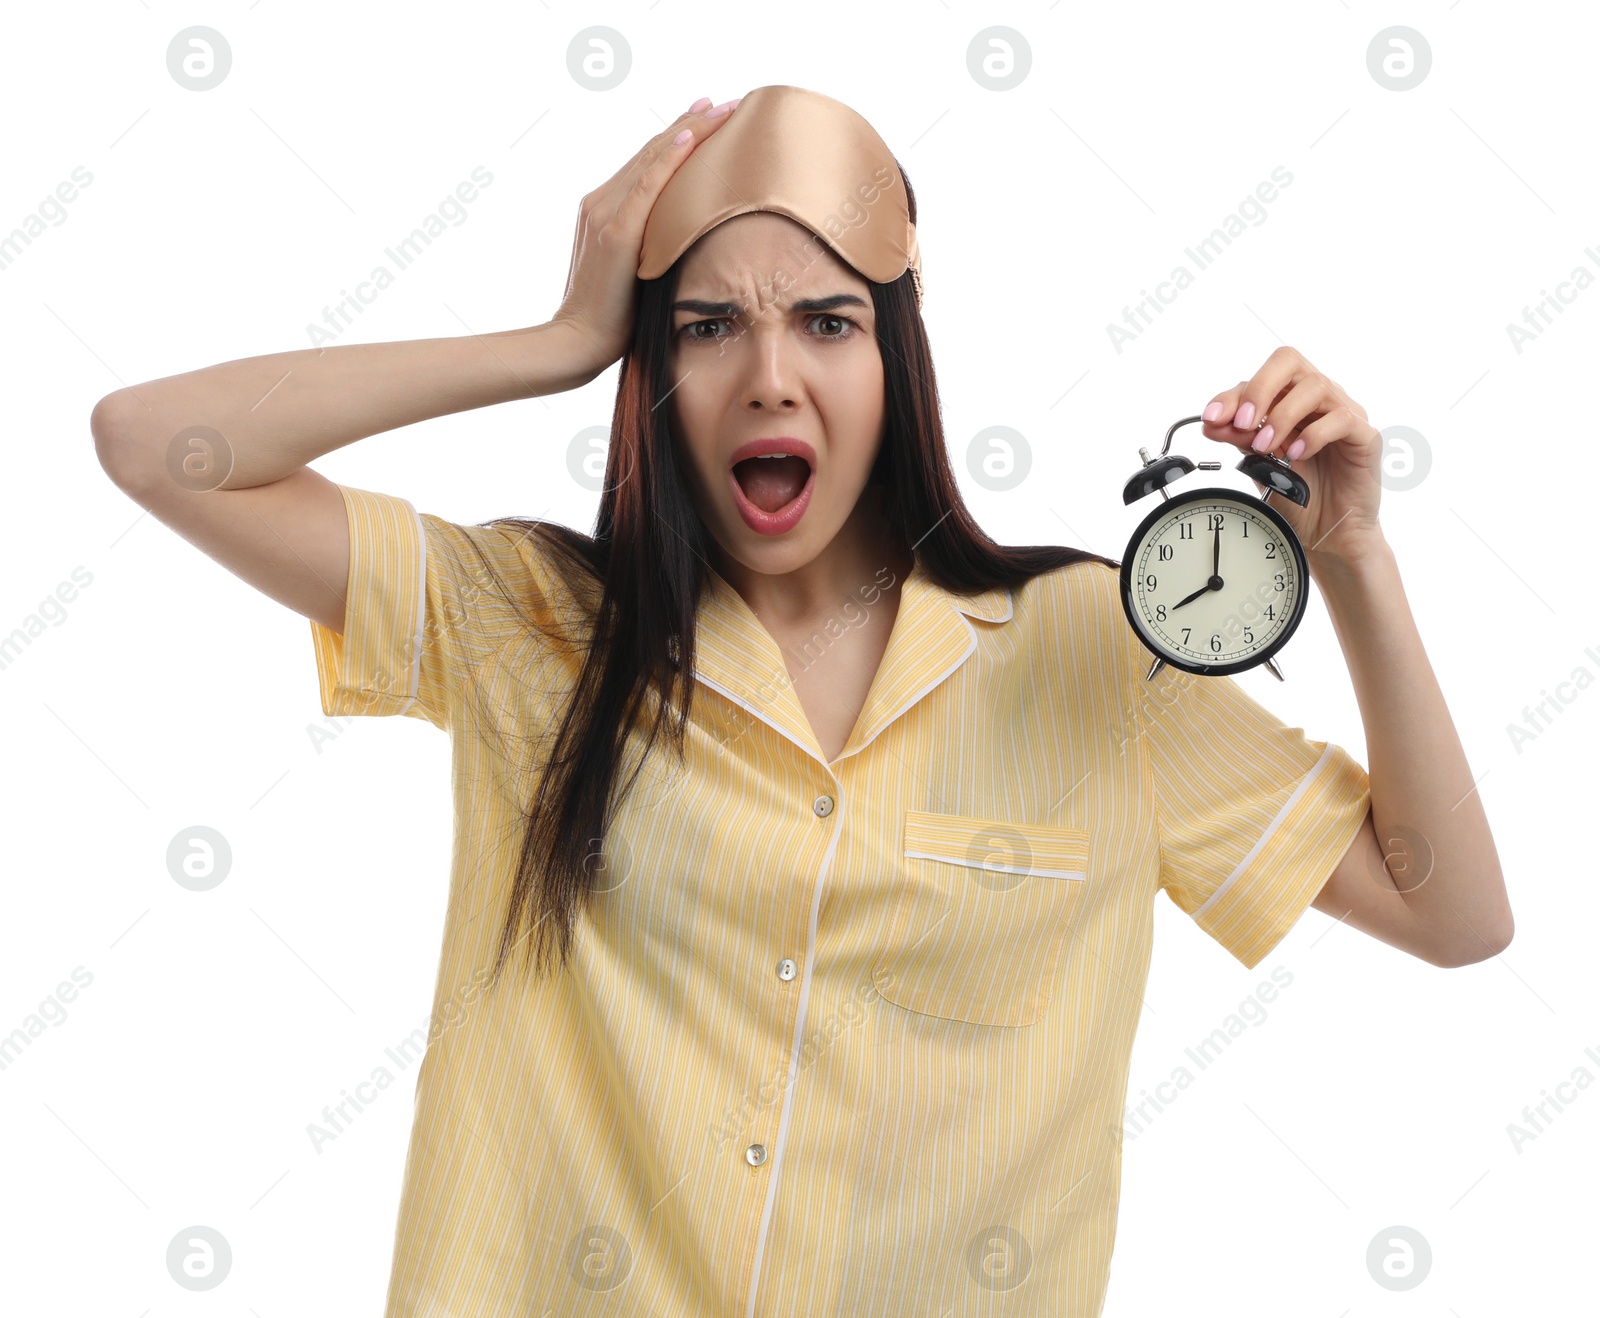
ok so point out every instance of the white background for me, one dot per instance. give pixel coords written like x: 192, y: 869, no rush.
x: 177, y: 1087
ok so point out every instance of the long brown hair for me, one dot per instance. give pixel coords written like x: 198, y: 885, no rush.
x: 646, y: 563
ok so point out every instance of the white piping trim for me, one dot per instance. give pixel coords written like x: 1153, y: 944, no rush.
x: 1009, y: 869
x: 415, y: 681
x: 1283, y: 811
x: 966, y: 654
x: 782, y: 732
x: 794, y: 1055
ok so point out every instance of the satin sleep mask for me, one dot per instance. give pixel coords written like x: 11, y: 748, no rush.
x: 801, y: 154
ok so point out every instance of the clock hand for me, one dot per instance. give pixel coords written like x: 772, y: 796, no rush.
x: 1214, y: 582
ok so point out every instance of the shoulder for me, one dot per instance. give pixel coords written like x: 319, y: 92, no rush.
x: 1086, y: 595
x: 519, y: 566
x: 1073, y: 617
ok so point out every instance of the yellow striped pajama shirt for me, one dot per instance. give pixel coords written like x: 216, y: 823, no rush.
x: 841, y: 1038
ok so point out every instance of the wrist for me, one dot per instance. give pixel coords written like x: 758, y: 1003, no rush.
x: 1360, y: 569
x: 573, y: 350
x: 1365, y: 552
x: 546, y: 359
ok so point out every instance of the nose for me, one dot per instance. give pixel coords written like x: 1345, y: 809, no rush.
x: 773, y: 371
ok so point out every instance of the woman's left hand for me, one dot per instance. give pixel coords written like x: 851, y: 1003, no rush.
x: 1313, y: 423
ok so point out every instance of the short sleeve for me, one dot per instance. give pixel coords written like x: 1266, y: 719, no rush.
x: 422, y: 612
x: 1252, y: 815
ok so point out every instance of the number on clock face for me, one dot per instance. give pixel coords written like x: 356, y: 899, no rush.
x: 1257, y: 569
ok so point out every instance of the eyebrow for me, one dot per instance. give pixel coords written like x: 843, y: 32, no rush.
x: 703, y: 308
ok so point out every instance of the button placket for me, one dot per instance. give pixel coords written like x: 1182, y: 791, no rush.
x: 822, y: 806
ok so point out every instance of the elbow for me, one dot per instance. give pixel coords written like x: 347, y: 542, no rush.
x: 1483, y: 947
x: 114, y: 425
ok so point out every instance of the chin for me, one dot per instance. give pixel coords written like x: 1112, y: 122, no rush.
x: 773, y: 558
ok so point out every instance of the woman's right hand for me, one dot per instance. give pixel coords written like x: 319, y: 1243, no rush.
x: 598, y: 306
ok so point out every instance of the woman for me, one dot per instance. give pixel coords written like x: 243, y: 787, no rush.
x: 845, y: 820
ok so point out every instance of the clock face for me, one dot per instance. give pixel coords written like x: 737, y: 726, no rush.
x: 1213, y: 582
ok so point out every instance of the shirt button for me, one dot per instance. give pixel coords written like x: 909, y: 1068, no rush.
x: 786, y: 968
x: 823, y: 805
x: 756, y: 1154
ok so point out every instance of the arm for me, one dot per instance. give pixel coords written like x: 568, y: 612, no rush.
x: 283, y: 410
x: 1441, y: 895
x: 1422, y: 874
x: 250, y: 501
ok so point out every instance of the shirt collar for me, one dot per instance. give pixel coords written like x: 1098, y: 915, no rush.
x: 931, y: 639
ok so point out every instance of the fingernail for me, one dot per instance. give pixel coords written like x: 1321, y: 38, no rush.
x: 699, y: 105
x: 1296, y: 449
x: 1213, y: 412
x: 1245, y: 415
x: 683, y: 137
x: 1262, y: 439
x: 717, y: 111
x: 734, y: 104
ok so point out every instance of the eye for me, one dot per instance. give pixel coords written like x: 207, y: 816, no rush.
x: 688, y: 330
x: 847, y: 328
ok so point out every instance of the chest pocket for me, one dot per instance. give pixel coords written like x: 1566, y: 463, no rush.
x: 983, y: 917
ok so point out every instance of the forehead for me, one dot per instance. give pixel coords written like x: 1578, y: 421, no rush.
x: 763, y: 249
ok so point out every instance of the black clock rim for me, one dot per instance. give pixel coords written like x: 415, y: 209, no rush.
x: 1214, y: 494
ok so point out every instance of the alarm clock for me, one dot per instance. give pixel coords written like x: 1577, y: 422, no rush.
x: 1215, y: 580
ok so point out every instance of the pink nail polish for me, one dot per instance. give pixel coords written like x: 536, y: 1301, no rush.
x: 1262, y: 439
x: 683, y: 137
x: 1296, y: 449
x: 1245, y: 415
x: 717, y: 111
x: 1213, y: 412
x: 699, y: 105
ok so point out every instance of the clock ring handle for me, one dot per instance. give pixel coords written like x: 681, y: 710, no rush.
x: 1167, y: 443
x: 1265, y: 469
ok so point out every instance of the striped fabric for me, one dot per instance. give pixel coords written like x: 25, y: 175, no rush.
x: 845, y: 1038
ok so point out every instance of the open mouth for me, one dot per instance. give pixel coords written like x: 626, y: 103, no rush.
x: 773, y: 493
x: 772, y: 483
